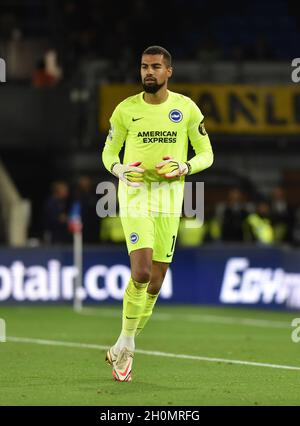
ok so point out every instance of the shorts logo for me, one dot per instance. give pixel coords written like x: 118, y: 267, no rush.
x: 175, y: 115
x: 134, y: 237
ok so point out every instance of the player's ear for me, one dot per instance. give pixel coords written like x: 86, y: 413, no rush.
x: 170, y: 72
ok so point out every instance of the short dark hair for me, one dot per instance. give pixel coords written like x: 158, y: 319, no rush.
x: 158, y: 50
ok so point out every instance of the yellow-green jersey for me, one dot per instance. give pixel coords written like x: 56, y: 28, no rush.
x: 151, y: 132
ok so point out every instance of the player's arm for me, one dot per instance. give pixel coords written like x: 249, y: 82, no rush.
x: 200, y: 142
x: 171, y: 167
x: 128, y: 173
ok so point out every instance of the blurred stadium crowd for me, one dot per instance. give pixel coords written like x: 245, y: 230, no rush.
x: 237, y: 219
x: 79, y: 31
x: 69, y: 48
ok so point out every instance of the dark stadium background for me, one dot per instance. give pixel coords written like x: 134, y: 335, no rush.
x: 51, y: 133
x: 68, y: 63
x: 222, y: 327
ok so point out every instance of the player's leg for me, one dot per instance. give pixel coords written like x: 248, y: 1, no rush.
x: 141, y: 264
x: 166, y: 228
x: 133, y: 306
x: 139, y: 233
x: 159, y: 270
x: 135, y: 297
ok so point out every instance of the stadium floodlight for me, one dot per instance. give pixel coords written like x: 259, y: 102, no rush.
x: 75, y: 226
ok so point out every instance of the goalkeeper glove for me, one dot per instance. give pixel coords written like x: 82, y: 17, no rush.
x: 129, y: 173
x: 171, y: 168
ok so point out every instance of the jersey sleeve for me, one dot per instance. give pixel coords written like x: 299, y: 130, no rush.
x: 200, y: 141
x: 115, y: 139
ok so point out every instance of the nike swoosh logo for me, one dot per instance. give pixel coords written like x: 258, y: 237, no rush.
x: 131, y: 317
x: 136, y: 119
x: 126, y: 371
x: 169, y: 255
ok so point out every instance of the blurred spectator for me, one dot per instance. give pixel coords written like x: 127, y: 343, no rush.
x: 85, y: 194
x: 112, y: 230
x: 41, y: 78
x: 211, y: 224
x: 47, y: 73
x: 56, y: 214
x: 258, y: 225
x: 79, y: 28
x: 231, y: 216
x: 52, y: 66
x: 192, y: 232
x: 281, y: 215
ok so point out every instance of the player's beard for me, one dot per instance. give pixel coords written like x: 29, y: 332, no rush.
x: 152, y: 87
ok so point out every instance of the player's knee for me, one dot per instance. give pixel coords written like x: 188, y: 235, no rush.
x: 142, y: 275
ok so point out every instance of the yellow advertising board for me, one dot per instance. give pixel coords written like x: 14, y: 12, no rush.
x: 228, y: 109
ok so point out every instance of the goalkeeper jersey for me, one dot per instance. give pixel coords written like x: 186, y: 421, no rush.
x: 151, y: 132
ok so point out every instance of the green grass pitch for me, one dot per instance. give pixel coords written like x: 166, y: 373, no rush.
x: 52, y: 368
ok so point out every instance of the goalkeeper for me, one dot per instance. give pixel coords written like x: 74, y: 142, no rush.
x: 156, y: 126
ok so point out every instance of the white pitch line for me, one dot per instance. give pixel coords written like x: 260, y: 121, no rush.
x: 217, y: 319
x: 239, y: 321
x: 152, y: 353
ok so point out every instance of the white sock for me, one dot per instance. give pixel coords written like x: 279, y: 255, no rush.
x: 124, y: 341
